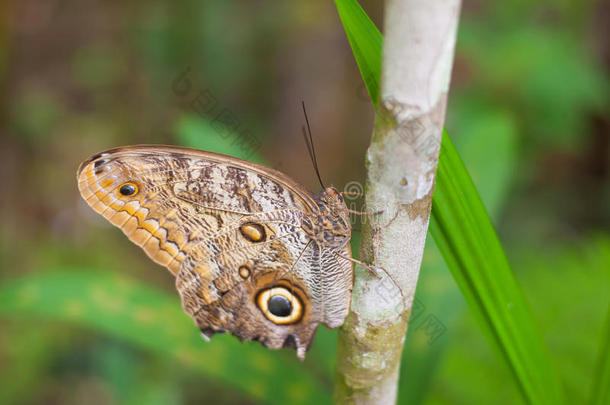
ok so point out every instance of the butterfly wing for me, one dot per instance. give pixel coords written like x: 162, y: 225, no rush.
x: 230, y: 231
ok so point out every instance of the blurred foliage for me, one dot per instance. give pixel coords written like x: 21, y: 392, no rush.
x: 152, y: 320
x: 528, y: 111
x: 600, y: 386
x: 567, y: 288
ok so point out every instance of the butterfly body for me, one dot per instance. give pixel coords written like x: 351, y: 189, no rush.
x: 253, y: 252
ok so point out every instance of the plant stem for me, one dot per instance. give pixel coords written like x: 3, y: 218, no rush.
x: 401, y: 160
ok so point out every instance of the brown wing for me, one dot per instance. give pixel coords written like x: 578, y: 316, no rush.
x: 183, y: 195
x: 229, y: 230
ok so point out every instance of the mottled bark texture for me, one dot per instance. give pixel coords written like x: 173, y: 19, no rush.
x: 401, y: 161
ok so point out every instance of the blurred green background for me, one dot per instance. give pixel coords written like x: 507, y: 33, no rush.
x: 85, y: 317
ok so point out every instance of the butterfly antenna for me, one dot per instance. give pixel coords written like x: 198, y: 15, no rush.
x: 310, y: 148
x: 307, y: 142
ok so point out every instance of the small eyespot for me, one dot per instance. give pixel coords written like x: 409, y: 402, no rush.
x: 128, y: 189
x: 253, y: 232
x: 244, y: 271
x: 280, y: 306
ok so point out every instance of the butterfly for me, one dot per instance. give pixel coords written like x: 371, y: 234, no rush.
x: 252, y: 251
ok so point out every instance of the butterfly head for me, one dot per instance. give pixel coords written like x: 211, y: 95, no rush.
x: 331, y: 201
x: 331, y: 225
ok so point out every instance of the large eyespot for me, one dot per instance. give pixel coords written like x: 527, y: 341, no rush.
x: 128, y: 189
x: 280, y: 305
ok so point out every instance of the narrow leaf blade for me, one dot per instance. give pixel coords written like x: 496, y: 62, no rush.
x: 366, y: 42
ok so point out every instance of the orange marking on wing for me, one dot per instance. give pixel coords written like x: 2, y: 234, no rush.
x: 141, y: 230
x: 141, y: 215
x: 150, y: 226
x: 107, y: 183
x: 100, y: 195
x: 109, y: 199
x: 156, y: 230
x: 116, y: 206
x: 136, y: 211
x: 179, y: 239
x: 130, y: 208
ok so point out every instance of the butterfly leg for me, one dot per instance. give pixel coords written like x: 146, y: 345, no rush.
x: 361, y: 263
x: 373, y: 270
x: 354, y: 193
x: 364, y: 212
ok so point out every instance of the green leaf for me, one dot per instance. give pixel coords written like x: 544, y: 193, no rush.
x: 150, y: 319
x: 203, y: 134
x: 366, y: 42
x: 600, y: 394
x: 560, y: 84
x: 29, y: 351
x: 464, y: 234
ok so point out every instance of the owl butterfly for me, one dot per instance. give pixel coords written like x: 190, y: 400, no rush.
x: 253, y: 252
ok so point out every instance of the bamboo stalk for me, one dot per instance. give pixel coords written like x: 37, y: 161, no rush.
x: 401, y: 160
